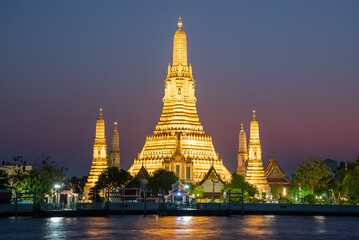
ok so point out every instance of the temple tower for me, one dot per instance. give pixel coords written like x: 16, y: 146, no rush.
x: 255, y: 173
x: 242, y: 152
x: 99, y: 162
x: 114, y: 160
x: 179, y: 143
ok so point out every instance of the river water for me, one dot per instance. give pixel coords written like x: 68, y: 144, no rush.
x: 153, y: 227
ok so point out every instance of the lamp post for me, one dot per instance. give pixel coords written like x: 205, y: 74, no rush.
x: 213, y: 181
x: 57, y: 187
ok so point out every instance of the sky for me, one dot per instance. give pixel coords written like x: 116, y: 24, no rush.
x: 295, y: 62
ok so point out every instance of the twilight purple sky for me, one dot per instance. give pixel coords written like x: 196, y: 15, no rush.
x: 295, y: 62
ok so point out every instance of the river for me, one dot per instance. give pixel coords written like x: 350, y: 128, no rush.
x: 153, y: 227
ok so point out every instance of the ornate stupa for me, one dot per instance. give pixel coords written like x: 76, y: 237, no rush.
x: 114, y: 160
x: 242, y: 155
x: 99, y: 162
x: 255, y: 174
x: 179, y: 143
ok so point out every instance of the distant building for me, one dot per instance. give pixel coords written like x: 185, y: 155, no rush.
x: 7, y: 170
x: 333, y: 165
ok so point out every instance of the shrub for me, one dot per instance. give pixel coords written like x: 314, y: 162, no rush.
x: 310, y: 199
x: 326, y: 201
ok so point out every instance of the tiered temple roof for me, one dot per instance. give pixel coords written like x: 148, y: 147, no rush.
x: 276, y: 175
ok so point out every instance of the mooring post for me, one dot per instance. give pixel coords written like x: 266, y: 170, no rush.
x: 123, y: 201
x: 144, y: 205
x: 242, y: 202
x: 15, y: 204
x: 34, y: 209
x: 164, y: 201
x: 95, y: 195
x: 108, y: 201
x: 229, y: 202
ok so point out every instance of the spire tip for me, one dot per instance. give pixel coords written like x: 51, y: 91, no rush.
x: 180, y: 22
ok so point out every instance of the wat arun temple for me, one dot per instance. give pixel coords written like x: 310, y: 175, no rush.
x: 179, y: 143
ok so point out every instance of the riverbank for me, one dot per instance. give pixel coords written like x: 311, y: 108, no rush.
x: 201, y: 209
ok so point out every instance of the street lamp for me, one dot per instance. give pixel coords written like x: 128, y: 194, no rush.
x: 213, y: 181
x: 57, y: 187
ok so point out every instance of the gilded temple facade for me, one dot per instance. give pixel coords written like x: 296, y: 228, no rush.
x: 250, y: 159
x: 100, y: 160
x: 179, y: 143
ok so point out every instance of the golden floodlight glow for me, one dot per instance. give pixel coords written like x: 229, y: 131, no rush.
x: 179, y: 143
x: 255, y: 173
x: 99, y: 162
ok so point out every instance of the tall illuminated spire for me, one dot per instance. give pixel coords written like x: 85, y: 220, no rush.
x: 99, y: 161
x: 100, y: 127
x: 179, y: 143
x: 115, y: 148
x: 255, y: 173
x: 254, y: 131
x: 180, y: 46
x: 242, y: 152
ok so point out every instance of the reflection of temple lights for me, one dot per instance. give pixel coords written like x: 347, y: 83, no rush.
x: 56, y: 219
x: 187, y: 219
x: 284, y: 191
x: 54, y: 227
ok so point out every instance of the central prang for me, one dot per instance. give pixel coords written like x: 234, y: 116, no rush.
x: 179, y: 143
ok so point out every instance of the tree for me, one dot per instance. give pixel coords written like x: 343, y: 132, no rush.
x: 162, y: 179
x: 310, y: 199
x: 350, y: 183
x: 197, y: 191
x: 40, y: 179
x: 313, y: 175
x: 75, y: 184
x: 109, y: 180
x: 276, y: 190
x: 237, y: 184
x: 4, y: 180
x: 82, y: 183
x: 113, y: 178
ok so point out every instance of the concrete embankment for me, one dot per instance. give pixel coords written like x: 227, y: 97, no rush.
x: 207, y: 209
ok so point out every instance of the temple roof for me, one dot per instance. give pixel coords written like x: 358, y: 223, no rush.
x: 274, y: 173
x: 211, y: 175
x: 142, y: 174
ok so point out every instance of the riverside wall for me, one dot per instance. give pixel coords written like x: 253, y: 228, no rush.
x: 201, y: 209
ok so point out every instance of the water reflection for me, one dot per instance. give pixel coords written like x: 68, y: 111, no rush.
x: 320, y: 224
x: 54, y: 228
x: 258, y: 225
x: 153, y: 227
